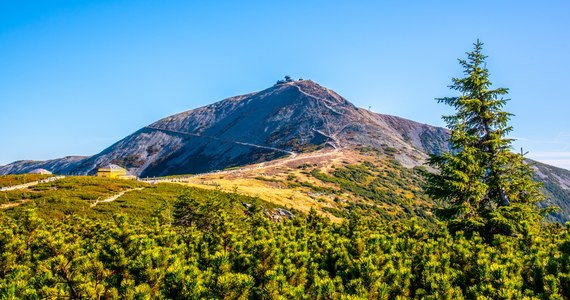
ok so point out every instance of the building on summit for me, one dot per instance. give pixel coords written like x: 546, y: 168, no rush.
x: 114, y: 171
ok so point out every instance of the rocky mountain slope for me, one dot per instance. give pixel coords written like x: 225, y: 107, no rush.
x: 556, y: 189
x: 63, y: 165
x: 285, y: 119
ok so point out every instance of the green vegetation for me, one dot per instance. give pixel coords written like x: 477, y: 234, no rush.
x: 307, y: 257
x: 482, y: 186
x: 393, y: 191
x: 78, y: 196
x: 170, y: 242
x: 68, y: 196
x: 262, y: 178
x: 11, y: 180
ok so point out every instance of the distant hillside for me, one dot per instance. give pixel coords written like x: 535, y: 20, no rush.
x: 556, y: 188
x: 64, y: 165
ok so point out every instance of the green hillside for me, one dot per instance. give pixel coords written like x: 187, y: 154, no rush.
x: 304, y: 257
x: 168, y: 241
x: 12, y: 180
x: 387, y: 190
x: 85, y: 197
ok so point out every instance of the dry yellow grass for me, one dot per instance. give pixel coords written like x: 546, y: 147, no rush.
x: 271, y: 181
x: 268, y: 181
x: 273, y: 192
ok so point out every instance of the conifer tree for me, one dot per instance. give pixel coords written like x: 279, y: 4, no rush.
x: 482, y: 186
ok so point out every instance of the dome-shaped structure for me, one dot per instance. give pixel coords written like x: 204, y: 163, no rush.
x: 40, y: 171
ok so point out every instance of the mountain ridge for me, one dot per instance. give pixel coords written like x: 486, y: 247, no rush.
x: 289, y: 117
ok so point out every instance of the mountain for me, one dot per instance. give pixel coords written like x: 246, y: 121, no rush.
x: 556, y: 189
x: 285, y: 119
x: 63, y: 165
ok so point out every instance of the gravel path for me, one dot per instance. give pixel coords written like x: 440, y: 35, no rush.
x: 12, y: 204
x: 114, y: 197
x: 29, y: 184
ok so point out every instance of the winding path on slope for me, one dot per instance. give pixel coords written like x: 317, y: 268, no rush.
x: 293, y: 154
x: 24, y: 186
x: 12, y: 204
x: 29, y: 184
x: 259, y: 166
x: 114, y: 197
x: 323, y: 100
x: 110, y: 199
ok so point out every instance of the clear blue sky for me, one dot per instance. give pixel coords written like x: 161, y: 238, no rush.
x: 76, y: 76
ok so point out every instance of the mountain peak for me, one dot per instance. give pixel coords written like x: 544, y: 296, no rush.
x: 289, y: 117
x: 311, y: 89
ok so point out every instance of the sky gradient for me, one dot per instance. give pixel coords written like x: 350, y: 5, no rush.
x: 77, y: 76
